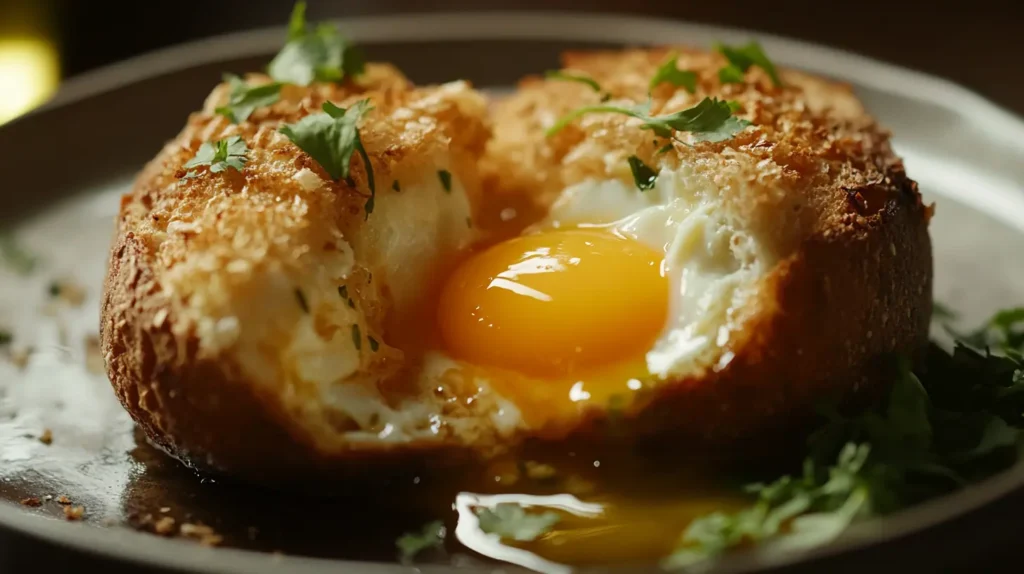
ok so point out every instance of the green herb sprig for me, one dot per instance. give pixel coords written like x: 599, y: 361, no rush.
x: 741, y: 59
x: 410, y: 544
x: 670, y: 73
x: 244, y: 99
x: 643, y: 176
x: 331, y: 138
x: 512, y: 521
x: 580, y: 78
x: 314, y: 54
x: 710, y: 120
x: 218, y: 156
x: 956, y: 419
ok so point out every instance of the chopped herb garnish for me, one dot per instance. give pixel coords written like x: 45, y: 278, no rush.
x: 15, y: 257
x: 670, y: 73
x: 412, y: 543
x: 956, y: 420
x: 357, y: 338
x: 331, y: 138
x: 643, y: 176
x: 396, y: 186
x: 6, y: 337
x: 511, y: 521
x: 53, y: 289
x: 374, y: 345
x: 317, y: 53
x: 741, y: 58
x: 579, y: 78
x: 710, y: 120
x: 664, y: 149
x: 301, y: 298
x: 219, y: 156
x: 446, y: 180
x: 244, y: 99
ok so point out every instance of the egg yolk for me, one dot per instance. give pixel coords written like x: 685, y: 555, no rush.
x: 555, y: 303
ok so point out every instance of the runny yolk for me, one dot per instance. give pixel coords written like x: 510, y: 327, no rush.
x: 555, y: 304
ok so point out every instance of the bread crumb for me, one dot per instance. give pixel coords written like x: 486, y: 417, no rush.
x: 201, y: 532
x: 93, y: 357
x: 74, y: 512
x: 164, y: 526
x: 68, y: 291
x: 47, y: 437
x: 19, y: 357
x: 165, y: 509
x: 539, y: 471
x: 31, y: 501
x: 63, y: 500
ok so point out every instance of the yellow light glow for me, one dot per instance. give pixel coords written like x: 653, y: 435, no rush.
x: 29, y: 74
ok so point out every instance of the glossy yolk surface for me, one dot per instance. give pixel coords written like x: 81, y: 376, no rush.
x: 557, y: 306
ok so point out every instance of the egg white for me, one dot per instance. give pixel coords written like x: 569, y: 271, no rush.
x: 711, y: 264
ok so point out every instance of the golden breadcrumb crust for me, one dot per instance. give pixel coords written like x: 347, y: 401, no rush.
x: 814, y: 176
x: 185, y: 247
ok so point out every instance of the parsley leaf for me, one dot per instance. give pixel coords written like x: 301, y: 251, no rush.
x: 317, y: 54
x: 577, y: 77
x: 510, y: 520
x: 446, y: 179
x: 710, y: 120
x: 958, y: 419
x: 741, y: 58
x: 15, y: 257
x: 410, y: 544
x: 357, y: 337
x: 669, y: 72
x: 331, y: 138
x: 643, y: 176
x: 219, y: 156
x: 244, y: 99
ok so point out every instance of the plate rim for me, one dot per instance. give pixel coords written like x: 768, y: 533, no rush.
x: 524, y: 25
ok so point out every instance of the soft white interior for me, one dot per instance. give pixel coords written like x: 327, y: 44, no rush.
x: 710, y: 262
x: 272, y: 339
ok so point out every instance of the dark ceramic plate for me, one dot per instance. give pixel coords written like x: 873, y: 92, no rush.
x: 64, y: 166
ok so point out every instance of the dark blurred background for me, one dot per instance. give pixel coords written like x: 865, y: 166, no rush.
x: 975, y: 43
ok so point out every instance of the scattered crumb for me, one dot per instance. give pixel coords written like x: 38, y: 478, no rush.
x: 164, y: 526
x: 19, y: 357
x: 93, y: 356
x: 46, y: 437
x: 48, y: 497
x: 201, y: 532
x: 165, y: 509
x: 68, y: 291
x: 539, y: 471
x: 31, y: 501
x: 74, y: 512
x: 577, y: 485
x: 64, y: 500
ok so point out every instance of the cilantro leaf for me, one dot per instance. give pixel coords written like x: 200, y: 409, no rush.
x: 710, y: 120
x: 244, y: 99
x: 218, y: 156
x: 314, y: 54
x: 331, y: 138
x: 410, y: 544
x: 15, y: 257
x: 577, y: 77
x: 741, y: 58
x: 643, y: 176
x: 510, y: 520
x: 670, y: 73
